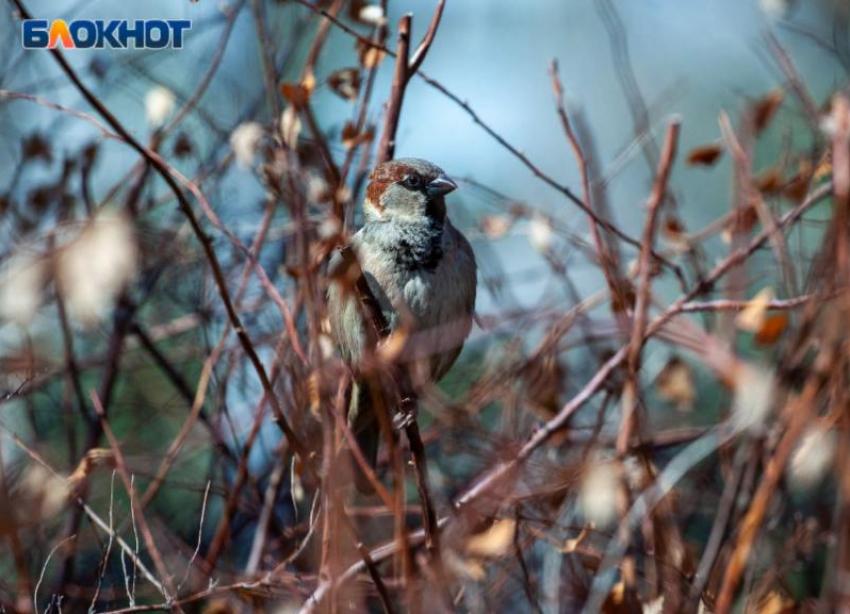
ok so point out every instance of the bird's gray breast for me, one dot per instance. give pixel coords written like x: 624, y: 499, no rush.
x: 434, y: 304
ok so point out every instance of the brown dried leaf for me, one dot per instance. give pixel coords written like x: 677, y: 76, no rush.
x: 369, y: 56
x: 798, y: 186
x: 182, y: 146
x: 352, y: 138
x: 218, y: 606
x: 705, y: 155
x: 675, y: 383
x: 771, y: 329
x: 824, y: 167
x: 462, y: 567
x: 769, y: 182
x: 624, y: 299
x: 571, y: 544
x: 674, y: 231
x: 296, y: 93
x: 495, y: 541
x: 744, y: 220
x: 354, y: 8
x: 313, y: 392
x: 35, y: 146
x: 615, y: 602
x: 774, y: 603
x: 673, y: 228
x: 765, y: 109
x: 345, y: 83
x: 94, y: 458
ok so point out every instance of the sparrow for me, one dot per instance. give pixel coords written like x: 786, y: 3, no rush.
x: 422, y: 273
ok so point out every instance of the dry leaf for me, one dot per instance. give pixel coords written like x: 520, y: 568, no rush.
x: 345, y: 83
x: 674, y: 231
x: 218, y: 606
x: 352, y: 138
x: 615, y: 602
x: 745, y: 220
x: 94, y: 458
x: 675, y: 383
x: 765, y: 109
x: 824, y: 167
x: 774, y: 603
x: 295, y: 93
x: 369, y: 56
x: 705, y: 155
x: 571, y: 544
x: 495, y: 541
x: 309, y: 82
x: 672, y: 228
x: 313, y: 392
x: 769, y: 182
x: 752, y: 317
x: 470, y: 569
x: 771, y: 329
x: 798, y: 186
x: 624, y: 300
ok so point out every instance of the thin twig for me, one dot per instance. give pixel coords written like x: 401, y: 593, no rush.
x: 386, y: 148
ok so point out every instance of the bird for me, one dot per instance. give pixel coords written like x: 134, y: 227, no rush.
x: 422, y: 272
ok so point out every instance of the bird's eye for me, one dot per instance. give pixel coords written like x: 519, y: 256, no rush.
x: 412, y: 181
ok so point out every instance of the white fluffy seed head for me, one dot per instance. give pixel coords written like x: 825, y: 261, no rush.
x: 159, y: 105
x: 43, y: 493
x: 317, y: 188
x: 22, y: 284
x: 540, y: 233
x: 598, y: 494
x: 812, y: 458
x: 93, y: 269
x: 753, y: 399
x: 244, y: 140
x: 775, y: 9
x: 329, y: 228
x: 656, y: 606
x: 373, y: 14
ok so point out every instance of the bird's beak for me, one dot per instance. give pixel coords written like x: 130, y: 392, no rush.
x: 441, y: 186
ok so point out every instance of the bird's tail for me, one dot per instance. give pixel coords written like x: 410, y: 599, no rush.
x: 364, y: 424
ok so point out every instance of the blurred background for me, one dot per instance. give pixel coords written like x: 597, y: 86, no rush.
x: 105, y: 288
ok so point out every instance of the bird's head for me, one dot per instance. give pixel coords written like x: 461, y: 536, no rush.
x: 407, y: 190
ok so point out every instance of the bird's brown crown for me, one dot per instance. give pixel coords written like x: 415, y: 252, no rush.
x: 397, y: 171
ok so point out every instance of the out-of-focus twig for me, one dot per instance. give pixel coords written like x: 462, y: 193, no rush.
x: 147, y: 535
x: 386, y: 147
